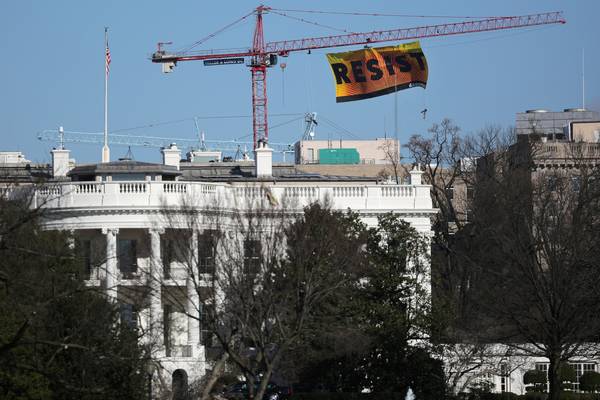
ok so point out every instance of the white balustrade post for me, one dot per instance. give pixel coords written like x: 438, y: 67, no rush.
x: 111, y: 277
x: 155, y: 284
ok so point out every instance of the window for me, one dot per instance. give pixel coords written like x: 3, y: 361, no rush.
x: 450, y: 193
x: 544, y: 368
x: 470, y: 192
x: 580, y: 369
x: 504, y: 378
x: 167, y: 255
x: 129, y: 315
x: 127, y: 257
x: 84, y: 254
x: 551, y: 183
x: 206, y: 252
x: 252, y: 250
x: 167, y: 324
x: 206, y: 310
x: 576, y: 183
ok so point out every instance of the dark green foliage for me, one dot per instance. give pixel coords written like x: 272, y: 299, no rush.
x: 380, y: 316
x: 567, y: 373
x: 349, y: 396
x: 535, y: 396
x: 536, y: 379
x: 590, y: 381
x: 578, y: 396
x: 58, y: 338
x: 486, y: 396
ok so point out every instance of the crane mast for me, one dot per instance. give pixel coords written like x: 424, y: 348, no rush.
x: 264, y: 55
x: 260, y: 127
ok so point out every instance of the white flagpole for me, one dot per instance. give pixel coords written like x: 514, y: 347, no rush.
x: 105, y: 149
x: 583, y: 78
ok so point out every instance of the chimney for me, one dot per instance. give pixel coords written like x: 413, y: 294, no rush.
x: 60, y: 162
x: 263, y: 156
x: 171, y: 155
x: 415, y: 175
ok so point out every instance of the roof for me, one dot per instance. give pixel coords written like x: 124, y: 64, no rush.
x: 123, y: 167
x: 244, y: 171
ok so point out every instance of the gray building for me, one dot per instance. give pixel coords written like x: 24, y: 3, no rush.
x: 552, y: 124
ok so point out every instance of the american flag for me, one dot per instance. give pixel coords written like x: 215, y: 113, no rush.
x: 107, y: 60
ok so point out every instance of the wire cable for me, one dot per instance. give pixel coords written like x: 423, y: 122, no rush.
x: 338, y: 127
x: 384, y: 15
x: 177, y: 121
x: 312, y: 22
x: 212, y: 35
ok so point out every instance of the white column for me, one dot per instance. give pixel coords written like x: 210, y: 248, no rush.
x: 193, y: 299
x: 112, y: 273
x: 155, y: 284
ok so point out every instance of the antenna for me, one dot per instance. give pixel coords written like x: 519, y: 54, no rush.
x: 61, y: 134
x: 583, y: 78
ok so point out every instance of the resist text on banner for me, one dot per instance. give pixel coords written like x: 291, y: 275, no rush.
x: 371, y: 72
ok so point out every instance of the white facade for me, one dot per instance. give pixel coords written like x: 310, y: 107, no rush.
x: 110, y: 214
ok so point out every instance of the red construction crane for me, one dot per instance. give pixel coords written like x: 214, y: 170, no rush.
x: 264, y: 55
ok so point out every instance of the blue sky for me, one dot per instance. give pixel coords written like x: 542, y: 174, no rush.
x: 52, y: 73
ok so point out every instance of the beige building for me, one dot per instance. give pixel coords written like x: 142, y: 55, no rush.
x: 376, y: 151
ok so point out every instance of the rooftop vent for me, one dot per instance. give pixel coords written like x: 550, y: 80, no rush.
x: 536, y: 111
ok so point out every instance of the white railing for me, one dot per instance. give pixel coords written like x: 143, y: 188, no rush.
x: 88, y: 187
x: 396, y: 191
x: 158, y: 194
x: 132, y: 187
x: 300, y: 191
x: 175, y: 187
x: 348, y: 191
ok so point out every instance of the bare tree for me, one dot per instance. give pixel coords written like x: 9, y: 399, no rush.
x: 534, y: 245
x: 391, y: 152
x: 272, y: 267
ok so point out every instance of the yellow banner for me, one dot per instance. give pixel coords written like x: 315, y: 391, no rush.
x: 372, y: 72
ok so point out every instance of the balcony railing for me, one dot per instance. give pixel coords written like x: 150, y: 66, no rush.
x: 179, y: 351
x: 159, y: 194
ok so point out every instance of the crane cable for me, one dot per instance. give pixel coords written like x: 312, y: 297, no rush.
x: 212, y: 35
x: 311, y: 22
x: 177, y: 121
x: 338, y: 127
x: 386, y: 15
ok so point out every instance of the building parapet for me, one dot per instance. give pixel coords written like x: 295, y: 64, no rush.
x: 157, y: 194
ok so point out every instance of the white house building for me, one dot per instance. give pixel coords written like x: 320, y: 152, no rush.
x: 114, y: 210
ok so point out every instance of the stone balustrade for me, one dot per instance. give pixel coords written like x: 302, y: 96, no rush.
x: 160, y: 194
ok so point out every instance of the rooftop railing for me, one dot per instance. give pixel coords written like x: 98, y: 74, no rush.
x: 158, y: 194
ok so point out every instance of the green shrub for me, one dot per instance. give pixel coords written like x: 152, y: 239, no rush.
x: 348, y: 396
x: 535, y: 396
x: 590, y: 381
x: 537, y: 379
x: 566, y: 373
